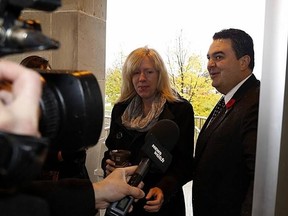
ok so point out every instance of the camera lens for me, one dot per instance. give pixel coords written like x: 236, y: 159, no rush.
x: 71, y: 109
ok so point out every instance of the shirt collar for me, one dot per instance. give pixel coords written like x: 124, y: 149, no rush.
x: 230, y: 94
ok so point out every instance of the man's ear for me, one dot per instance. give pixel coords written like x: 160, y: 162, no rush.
x: 244, y: 62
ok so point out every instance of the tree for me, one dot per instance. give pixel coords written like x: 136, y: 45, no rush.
x: 190, y: 79
x: 113, y: 80
x: 113, y: 85
x: 177, y: 63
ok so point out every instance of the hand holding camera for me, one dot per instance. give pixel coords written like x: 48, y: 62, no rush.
x: 14, y: 103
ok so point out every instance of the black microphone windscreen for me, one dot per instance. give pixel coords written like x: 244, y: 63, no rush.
x: 159, y: 141
x: 167, y: 133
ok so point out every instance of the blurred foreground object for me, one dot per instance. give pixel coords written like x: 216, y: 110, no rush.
x: 18, y: 36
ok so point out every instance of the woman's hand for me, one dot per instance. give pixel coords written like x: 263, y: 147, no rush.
x: 110, y: 166
x: 155, y: 199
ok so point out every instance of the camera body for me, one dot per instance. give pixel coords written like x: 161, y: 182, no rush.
x: 44, y: 5
x: 71, y: 104
x: 16, y: 35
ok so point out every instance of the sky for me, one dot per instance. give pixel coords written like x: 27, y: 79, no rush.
x: 157, y: 24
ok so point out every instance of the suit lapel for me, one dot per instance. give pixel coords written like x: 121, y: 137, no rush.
x: 207, y: 131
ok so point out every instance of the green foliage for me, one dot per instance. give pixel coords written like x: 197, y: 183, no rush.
x: 194, y: 84
x: 113, y: 85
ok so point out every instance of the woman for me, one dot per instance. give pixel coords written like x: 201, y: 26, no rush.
x: 147, y: 97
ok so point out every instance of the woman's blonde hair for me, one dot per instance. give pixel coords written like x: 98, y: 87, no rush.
x: 133, y: 62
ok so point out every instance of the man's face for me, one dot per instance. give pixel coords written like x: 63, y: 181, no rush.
x: 223, y: 66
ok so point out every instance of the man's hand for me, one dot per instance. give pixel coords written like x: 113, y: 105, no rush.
x: 114, y: 187
x: 19, y: 102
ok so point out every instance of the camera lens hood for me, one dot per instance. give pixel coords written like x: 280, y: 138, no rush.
x: 71, y: 109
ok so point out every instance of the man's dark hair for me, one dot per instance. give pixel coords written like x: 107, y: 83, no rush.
x: 242, y: 43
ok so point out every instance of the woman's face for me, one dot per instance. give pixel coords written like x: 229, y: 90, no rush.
x: 145, y: 80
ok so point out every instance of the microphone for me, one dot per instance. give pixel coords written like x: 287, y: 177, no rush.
x: 159, y: 141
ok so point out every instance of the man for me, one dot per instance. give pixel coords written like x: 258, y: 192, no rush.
x: 19, y: 116
x: 226, y: 147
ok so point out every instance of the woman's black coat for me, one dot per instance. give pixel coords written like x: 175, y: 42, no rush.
x: 180, y: 170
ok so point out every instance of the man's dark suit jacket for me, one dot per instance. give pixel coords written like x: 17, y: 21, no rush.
x: 225, y: 157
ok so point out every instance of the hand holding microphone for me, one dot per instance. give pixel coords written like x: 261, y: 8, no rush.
x: 158, y: 142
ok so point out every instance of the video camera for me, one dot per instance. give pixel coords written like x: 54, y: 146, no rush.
x: 17, y: 36
x: 71, y: 104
